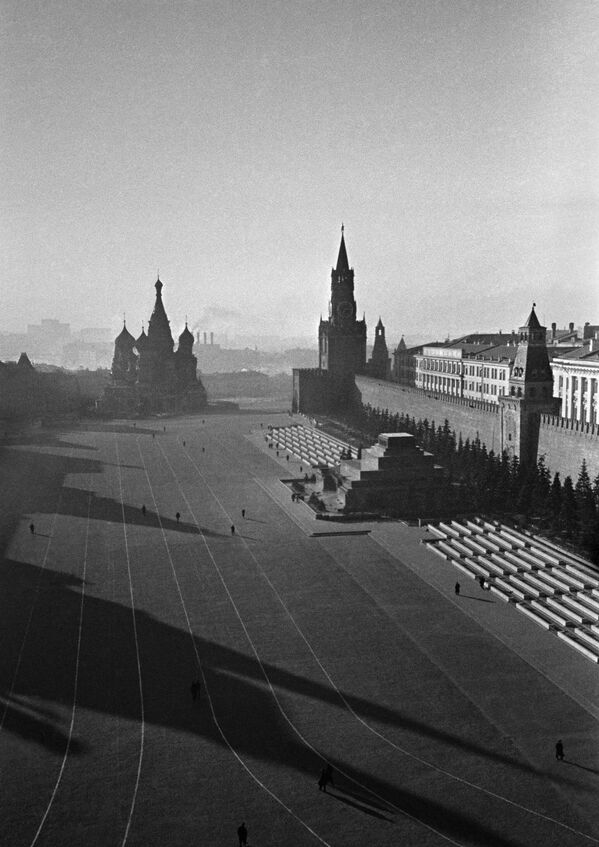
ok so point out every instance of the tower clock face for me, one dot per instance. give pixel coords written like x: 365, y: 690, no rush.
x: 345, y: 309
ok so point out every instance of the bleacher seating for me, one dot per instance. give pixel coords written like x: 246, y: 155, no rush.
x: 556, y: 589
x: 309, y: 445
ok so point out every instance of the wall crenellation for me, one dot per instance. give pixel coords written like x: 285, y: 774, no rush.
x: 563, y: 443
x: 569, y: 424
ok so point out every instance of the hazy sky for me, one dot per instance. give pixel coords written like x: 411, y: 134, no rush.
x: 225, y: 142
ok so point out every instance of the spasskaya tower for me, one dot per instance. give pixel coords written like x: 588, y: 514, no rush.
x: 342, y: 338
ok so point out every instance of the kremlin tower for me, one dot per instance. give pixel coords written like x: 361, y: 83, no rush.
x: 341, y: 349
x: 530, y: 393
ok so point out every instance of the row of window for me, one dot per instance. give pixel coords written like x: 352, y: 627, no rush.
x: 577, y: 382
x: 443, y: 366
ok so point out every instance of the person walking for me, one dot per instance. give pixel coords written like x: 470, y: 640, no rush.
x: 178, y: 516
x: 232, y: 529
x: 243, y: 513
x: 322, y: 781
x: 32, y: 528
x: 559, y: 751
x: 242, y: 834
x: 457, y: 588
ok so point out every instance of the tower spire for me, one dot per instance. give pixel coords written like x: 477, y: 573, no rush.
x: 342, y: 262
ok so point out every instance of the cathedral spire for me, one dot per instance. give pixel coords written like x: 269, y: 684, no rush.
x: 158, y: 326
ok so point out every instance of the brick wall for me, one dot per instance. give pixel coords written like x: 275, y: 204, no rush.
x: 566, y: 443
x: 470, y: 418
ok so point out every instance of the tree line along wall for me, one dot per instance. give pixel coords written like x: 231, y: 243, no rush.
x: 564, y: 444
x: 468, y: 419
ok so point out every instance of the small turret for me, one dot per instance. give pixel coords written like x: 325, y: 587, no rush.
x: 24, y: 363
x: 379, y: 365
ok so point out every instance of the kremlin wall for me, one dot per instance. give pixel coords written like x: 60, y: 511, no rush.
x: 564, y: 444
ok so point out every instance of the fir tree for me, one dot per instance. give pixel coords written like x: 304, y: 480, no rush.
x: 568, y: 518
x: 541, y: 488
x: 555, y: 501
x: 586, y: 509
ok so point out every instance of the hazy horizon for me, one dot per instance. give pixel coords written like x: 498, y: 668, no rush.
x: 224, y: 144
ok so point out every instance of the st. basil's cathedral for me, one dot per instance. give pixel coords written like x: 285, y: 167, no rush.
x: 148, y: 375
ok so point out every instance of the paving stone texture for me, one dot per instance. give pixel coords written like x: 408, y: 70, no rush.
x: 439, y: 714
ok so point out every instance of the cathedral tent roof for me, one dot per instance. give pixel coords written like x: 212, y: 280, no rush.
x: 158, y: 327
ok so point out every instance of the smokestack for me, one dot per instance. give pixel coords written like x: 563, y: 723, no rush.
x: 211, y: 339
x: 553, y: 330
x: 571, y: 327
x: 205, y: 338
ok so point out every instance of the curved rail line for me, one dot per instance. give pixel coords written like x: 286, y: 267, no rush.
x: 377, y: 733
x: 304, y: 740
x: 237, y: 756
x: 137, y: 657
x: 75, y: 681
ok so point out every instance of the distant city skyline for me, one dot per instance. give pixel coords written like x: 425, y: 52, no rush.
x: 224, y: 144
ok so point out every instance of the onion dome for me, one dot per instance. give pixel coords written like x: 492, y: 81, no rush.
x: 186, y: 338
x: 124, y: 338
x: 141, y: 342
